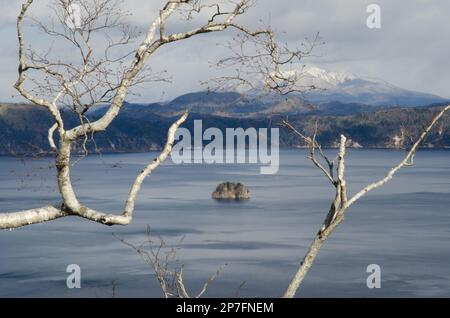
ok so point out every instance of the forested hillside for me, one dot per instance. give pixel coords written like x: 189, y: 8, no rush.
x: 23, y: 128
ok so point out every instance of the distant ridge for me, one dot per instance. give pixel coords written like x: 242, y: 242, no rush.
x: 138, y: 128
x: 345, y: 87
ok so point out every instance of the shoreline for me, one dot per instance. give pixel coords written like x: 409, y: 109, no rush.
x: 49, y: 155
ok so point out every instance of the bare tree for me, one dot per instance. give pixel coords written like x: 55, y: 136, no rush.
x: 106, y: 77
x: 164, y: 262
x: 261, y: 64
x: 334, y: 171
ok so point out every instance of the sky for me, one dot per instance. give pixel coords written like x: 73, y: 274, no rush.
x: 410, y: 50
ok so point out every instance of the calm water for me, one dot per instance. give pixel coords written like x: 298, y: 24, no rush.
x: 403, y: 227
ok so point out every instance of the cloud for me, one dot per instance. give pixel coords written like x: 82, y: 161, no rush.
x: 410, y: 50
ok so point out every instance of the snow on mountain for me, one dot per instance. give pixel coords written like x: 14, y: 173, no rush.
x: 347, y: 88
x: 320, y: 76
x: 311, y: 75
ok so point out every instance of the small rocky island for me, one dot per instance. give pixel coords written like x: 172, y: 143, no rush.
x: 228, y: 191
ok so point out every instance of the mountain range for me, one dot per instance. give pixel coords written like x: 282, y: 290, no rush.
x: 372, y: 114
x: 347, y: 88
x: 337, y: 93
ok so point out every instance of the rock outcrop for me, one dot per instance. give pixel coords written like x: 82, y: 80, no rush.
x: 228, y: 191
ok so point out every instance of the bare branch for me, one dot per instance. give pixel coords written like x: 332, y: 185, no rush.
x: 23, y: 67
x: 340, y: 203
x: 312, y: 143
x: 33, y: 216
x: 260, y: 63
x: 103, y: 78
x: 51, y: 131
x: 71, y: 204
x: 405, y: 162
x: 209, y: 281
x: 163, y: 261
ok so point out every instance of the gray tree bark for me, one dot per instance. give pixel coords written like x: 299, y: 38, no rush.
x: 153, y: 40
x: 340, y: 203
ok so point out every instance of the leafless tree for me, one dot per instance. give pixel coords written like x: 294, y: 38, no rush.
x: 334, y: 171
x: 163, y: 260
x: 106, y: 77
x: 261, y: 64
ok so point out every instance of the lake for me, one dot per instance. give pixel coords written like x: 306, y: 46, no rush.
x: 403, y: 227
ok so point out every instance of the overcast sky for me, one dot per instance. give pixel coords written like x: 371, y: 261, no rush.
x: 411, y: 50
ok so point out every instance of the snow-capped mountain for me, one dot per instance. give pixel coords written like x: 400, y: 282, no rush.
x: 344, y: 87
x: 324, y: 79
x: 338, y: 93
